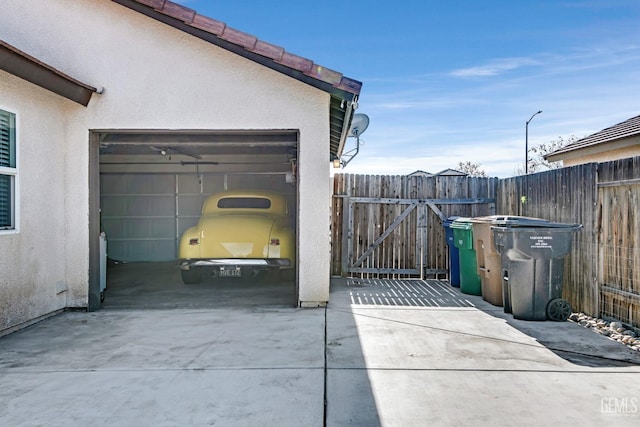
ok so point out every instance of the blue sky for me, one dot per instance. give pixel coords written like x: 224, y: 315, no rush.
x: 456, y: 80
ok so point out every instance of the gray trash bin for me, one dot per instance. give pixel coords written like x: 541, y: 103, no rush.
x: 532, y: 252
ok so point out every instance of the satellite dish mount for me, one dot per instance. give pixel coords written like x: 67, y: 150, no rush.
x: 359, y: 124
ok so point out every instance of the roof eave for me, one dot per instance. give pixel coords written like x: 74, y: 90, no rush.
x: 341, y: 88
x: 572, y: 153
x: 348, y: 113
x: 20, y: 64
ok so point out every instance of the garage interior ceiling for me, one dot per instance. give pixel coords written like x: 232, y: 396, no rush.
x: 181, y: 151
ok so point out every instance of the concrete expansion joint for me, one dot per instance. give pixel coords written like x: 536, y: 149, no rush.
x: 325, y: 385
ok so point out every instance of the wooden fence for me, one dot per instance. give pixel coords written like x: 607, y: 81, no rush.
x: 602, y: 273
x: 412, y: 208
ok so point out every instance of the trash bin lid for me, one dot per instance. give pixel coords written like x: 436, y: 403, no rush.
x: 447, y: 222
x: 462, y: 219
x: 462, y: 223
x: 490, y: 219
x: 527, y: 222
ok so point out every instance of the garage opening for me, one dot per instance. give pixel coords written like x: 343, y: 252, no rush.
x: 152, y: 188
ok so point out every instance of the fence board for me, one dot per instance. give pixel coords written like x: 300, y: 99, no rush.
x: 461, y: 196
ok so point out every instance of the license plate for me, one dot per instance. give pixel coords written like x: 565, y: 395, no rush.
x: 230, y: 272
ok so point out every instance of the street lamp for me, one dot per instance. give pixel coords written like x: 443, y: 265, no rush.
x: 526, y: 143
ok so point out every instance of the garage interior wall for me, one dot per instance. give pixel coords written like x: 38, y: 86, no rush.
x: 144, y: 215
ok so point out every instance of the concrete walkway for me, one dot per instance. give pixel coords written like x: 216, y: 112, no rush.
x: 392, y: 353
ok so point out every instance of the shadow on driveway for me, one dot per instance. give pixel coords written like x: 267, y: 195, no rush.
x: 574, y: 343
x: 568, y: 340
x: 418, y: 352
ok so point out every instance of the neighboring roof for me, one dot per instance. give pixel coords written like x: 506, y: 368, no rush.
x: 420, y: 173
x: 25, y: 66
x: 451, y: 172
x: 626, y: 129
x: 343, y: 90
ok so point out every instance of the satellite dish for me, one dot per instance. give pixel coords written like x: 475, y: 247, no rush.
x: 359, y: 124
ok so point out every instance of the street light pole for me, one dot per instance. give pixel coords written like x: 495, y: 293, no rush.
x: 526, y: 143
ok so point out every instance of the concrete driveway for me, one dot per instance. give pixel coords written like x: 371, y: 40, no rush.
x: 392, y: 353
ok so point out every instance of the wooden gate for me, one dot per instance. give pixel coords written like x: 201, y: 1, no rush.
x: 388, y: 236
x: 388, y: 226
x: 619, y: 253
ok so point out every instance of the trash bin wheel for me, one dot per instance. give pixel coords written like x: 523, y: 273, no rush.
x: 558, y: 310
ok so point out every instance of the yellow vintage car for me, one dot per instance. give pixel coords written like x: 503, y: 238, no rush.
x: 239, y: 233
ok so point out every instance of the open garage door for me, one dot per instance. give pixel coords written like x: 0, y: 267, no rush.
x: 152, y: 185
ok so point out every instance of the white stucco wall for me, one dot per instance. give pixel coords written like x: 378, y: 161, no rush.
x: 33, y: 274
x: 157, y: 77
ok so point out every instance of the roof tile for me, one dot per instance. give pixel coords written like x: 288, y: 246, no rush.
x: 238, y: 37
x: 296, y: 62
x: 325, y: 74
x: 178, y: 11
x: 209, y: 25
x: 156, y: 4
x: 269, y: 50
x: 350, y: 85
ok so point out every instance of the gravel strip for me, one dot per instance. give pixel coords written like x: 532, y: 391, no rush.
x: 614, y: 330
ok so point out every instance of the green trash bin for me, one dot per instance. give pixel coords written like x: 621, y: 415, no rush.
x: 463, y: 240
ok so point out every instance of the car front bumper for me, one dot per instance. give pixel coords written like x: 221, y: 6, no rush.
x: 267, y: 263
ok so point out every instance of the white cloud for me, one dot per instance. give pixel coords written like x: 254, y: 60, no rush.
x: 494, y: 68
x: 594, y: 57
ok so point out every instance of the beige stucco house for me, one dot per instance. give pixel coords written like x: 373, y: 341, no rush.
x: 122, y: 115
x: 619, y: 141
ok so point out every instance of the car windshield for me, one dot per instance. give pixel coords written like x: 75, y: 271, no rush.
x: 244, y: 203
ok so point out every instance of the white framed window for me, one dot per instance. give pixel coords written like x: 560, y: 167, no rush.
x: 8, y: 171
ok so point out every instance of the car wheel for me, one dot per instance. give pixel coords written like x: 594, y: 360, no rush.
x: 191, y: 277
